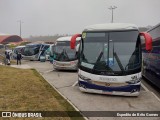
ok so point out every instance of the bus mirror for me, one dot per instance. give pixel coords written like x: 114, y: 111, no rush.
x: 148, y: 40
x: 73, y: 40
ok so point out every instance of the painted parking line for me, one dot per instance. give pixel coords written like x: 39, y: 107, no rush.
x: 146, y: 89
x: 156, y: 96
x: 150, y: 91
x: 75, y: 84
x: 48, y: 71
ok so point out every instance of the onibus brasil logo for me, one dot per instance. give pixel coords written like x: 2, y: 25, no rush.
x: 21, y: 114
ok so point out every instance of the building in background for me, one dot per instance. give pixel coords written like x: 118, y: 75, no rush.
x: 10, y: 39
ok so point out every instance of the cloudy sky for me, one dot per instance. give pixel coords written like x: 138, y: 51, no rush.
x: 49, y: 17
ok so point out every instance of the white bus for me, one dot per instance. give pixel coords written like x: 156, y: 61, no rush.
x: 64, y: 58
x: 110, y: 58
x: 34, y: 51
x: 16, y: 50
x: 1, y: 46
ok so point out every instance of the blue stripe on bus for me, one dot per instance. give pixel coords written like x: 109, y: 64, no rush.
x: 127, y: 88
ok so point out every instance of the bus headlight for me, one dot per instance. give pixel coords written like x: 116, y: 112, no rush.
x: 54, y: 62
x: 133, y: 81
x: 84, y: 78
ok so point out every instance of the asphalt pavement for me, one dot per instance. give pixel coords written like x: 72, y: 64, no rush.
x: 66, y: 83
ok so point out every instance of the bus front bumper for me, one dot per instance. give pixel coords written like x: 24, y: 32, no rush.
x: 71, y: 65
x: 128, y: 90
x: 29, y: 57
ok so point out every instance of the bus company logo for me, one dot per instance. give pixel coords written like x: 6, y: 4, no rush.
x: 83, y: 35
x: 108, y: 79
x: 6, y: 114
x: 107, y: 84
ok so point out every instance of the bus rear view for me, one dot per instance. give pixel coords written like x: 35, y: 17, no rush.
x: 110, y: 59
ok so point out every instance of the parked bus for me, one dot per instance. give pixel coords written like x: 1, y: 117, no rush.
x: 65, y: 58
x: 1, y: 46
x: 16, y: 50
x: 2, y: 49
x: 34, y: 51
x: 151, y: 61
x: 110, y: 59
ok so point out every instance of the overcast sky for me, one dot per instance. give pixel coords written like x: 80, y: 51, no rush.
x: 49, y: 17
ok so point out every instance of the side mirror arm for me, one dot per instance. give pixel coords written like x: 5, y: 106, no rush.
x: 148, y: 40
x: 73, y: 40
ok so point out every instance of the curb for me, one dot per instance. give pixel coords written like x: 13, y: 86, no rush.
x: 64, y: 97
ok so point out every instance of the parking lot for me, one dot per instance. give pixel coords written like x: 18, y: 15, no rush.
x: 66, y: 83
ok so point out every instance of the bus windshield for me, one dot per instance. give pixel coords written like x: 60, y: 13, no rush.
x: 19, y: 49
x: 62, y: 51
x: 30, y: 50
x: 111, y: 53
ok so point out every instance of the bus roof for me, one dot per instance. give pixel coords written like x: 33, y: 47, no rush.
x: 34, y: 44
x: 20, y: 46
x: 67, y: 38
x: 111, y: 27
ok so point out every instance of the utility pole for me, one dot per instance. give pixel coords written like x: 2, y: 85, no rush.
x: 20, y: 27
x: 112, y: 8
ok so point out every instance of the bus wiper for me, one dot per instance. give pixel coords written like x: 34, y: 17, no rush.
x: 63, y: 53
x: 66, y: 54
x: 98, y: 59
x: 118, y: 61
x: 59, y: 55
